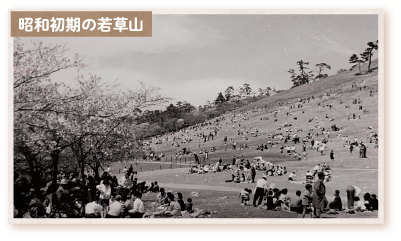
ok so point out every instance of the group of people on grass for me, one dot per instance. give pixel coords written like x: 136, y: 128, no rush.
x: 88, y: 197
x: 312, y: 200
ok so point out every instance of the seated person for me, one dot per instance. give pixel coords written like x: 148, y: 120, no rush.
x: 237, y: 178
x: 174, y: 208
x: 189, y: 205
x: 374, y: 203
x: 156, y: 187
x: 291, y: 177
x: 336, y: 204
x: 296, y: 203
x: 366, y: 201
x: 309, y: 175
x: 242, y: 179
x: 358, y: 204
x: 115, y: 208
x: 282, y: 202
x: 232, y: 178
x: 270, y: 200
x: 93, y: 209
x: 279, y: 171
x: 161, y: 196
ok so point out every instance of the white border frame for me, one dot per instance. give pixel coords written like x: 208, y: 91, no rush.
x: 381, y: 167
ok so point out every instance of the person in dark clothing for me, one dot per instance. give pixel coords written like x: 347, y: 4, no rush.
x: 253, y: 173
x: 248, y: 165
x: 130, y: 170
x: 374, y: 203
x: 181, y: 202
x: 260, y: 191
x: 269, y: 200
x: 336, y: 204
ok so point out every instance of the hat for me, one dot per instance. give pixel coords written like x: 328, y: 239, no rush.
x: 64, y: 181
x: 170, y: 191
x: 32, y: 190
x: 264, y: 176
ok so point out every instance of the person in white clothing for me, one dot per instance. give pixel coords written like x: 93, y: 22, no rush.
x: 93, y: 209
x: 105, y: 193
x: 125, y: 181
x: 292, y: 176
x: 138, y: 209
x: 261, y: 187
x: 115, y: 208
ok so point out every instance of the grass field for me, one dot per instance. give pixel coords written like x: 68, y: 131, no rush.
x: 347, y: 169
x: 227, y: 205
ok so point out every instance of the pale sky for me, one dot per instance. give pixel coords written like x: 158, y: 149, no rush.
x: 193, y: 57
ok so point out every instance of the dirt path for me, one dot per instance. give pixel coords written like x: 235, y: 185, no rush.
x: 200, y: 187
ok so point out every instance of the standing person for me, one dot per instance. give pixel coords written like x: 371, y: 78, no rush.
x: 351, y: 147
x: 91, y: 185
x: 261, y: 186
x: 130, y: 170
x: 105, y: 193
x: 361, y: 150
x: 364, y: 150
x: 332, y: 155
x: 253, y: 173
x: 319, y: 195
x: 306, y: 199
x: 139, y: 209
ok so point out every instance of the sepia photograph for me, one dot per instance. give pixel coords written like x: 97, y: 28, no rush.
x: 248, y: 117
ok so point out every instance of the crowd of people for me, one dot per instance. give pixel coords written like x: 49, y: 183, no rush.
x: 86, y: 197
x: 311, y: 201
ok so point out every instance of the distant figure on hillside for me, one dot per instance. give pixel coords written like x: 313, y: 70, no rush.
x: 332, y: 155
x: 362, y: 150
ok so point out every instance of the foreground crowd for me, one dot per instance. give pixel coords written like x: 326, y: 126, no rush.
x: 72, y: 197
x: 312, y: 200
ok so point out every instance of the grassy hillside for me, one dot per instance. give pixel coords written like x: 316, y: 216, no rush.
x: 347, y: 168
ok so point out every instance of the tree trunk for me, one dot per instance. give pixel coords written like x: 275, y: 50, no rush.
x: 55, y: 157
x: 82, y: 162
x: 370, y: 59
x: 35, y: 178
